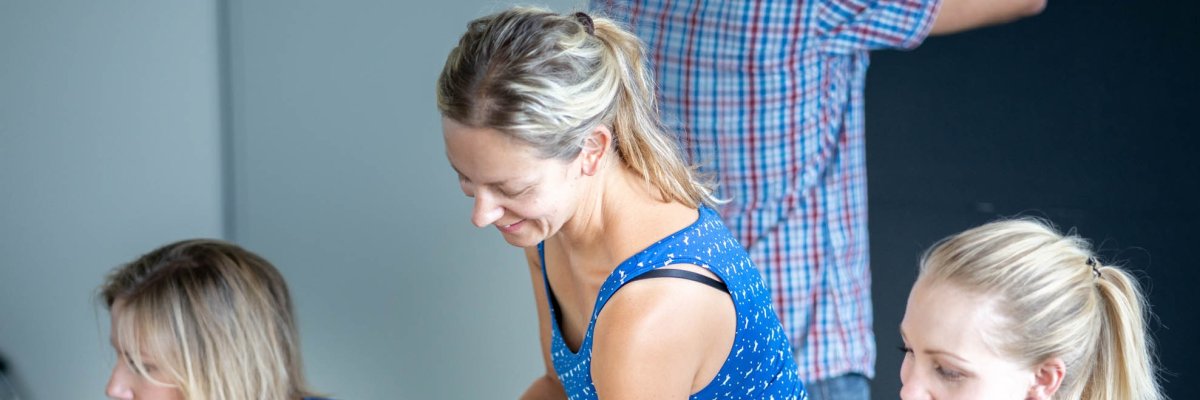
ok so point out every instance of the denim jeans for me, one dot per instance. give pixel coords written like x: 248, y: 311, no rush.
x: 843, y: 387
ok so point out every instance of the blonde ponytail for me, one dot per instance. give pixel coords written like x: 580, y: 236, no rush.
x: 1124, y: 355
x: 642, y: 139
x: 1056, y: 300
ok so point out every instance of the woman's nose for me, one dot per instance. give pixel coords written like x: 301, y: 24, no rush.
x: 486, y: 211
x: 118, y: 385
x: 912, y: 387
x: 913, y: 392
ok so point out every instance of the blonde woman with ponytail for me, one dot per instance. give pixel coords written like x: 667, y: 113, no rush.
x: 551, y: 124
x: 202, y: 320
x: 1015, y: 310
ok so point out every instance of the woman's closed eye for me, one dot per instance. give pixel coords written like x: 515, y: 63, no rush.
x: 515, y: 192
x: 465, y: 185
x: 942, y: 371
x: 149, y: 367
x: 949, y: 374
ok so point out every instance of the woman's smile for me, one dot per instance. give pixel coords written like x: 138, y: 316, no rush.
x: 511, y: 228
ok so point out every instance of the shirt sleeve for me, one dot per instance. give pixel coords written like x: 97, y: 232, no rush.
x: 847, y: 26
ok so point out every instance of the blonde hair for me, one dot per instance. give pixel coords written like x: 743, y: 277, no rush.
x: 549, y: 80
x: 1055, y: 300
x: 217, y: 318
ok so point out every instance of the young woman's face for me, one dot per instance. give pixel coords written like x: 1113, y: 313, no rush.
x: 946, y: 356
x: 126, y: 383
x: 526, y: 198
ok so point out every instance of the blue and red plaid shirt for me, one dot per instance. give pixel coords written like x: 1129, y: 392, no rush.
x: 768, y: 97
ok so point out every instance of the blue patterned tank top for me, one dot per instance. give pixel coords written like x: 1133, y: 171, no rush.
x: 760, y: 363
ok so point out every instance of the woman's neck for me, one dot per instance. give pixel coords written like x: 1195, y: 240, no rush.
x: 618, y: 215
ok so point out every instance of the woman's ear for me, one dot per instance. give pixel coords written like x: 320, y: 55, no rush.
x: 1047, y: 377
x: 595, y: 149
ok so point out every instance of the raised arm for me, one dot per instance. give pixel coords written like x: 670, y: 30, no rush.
x: 546, y: 386
x: 956, y: 16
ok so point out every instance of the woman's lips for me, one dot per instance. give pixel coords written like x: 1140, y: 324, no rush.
x: 510, y: 228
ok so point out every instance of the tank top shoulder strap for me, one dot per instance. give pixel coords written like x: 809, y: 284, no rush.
x: 681, y: 274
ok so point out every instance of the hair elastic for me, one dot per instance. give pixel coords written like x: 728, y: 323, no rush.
x: 1091, y: 262
x: 586, y: 20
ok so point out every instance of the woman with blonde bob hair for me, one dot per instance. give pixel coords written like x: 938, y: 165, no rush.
x: 202, y: 320
x: 550, y: 122
x: 1015, y: 310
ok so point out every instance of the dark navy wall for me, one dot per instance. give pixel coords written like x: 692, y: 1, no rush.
x: 1084, y: 115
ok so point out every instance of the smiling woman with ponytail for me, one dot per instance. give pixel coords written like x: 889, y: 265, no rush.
x: 551, y: 124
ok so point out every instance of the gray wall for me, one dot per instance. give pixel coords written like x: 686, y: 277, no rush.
x: 340, y: 179
x: 305, y: 131
x: 109, y: 146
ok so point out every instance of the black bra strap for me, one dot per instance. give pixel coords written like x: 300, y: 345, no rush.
x: 684, y: 274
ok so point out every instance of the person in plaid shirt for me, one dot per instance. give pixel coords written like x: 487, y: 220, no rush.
x: 767, y: 96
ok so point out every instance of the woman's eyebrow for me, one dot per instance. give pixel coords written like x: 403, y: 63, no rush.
x: 947, y: 354
x: 935, y: 351
x: 494, y: 183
